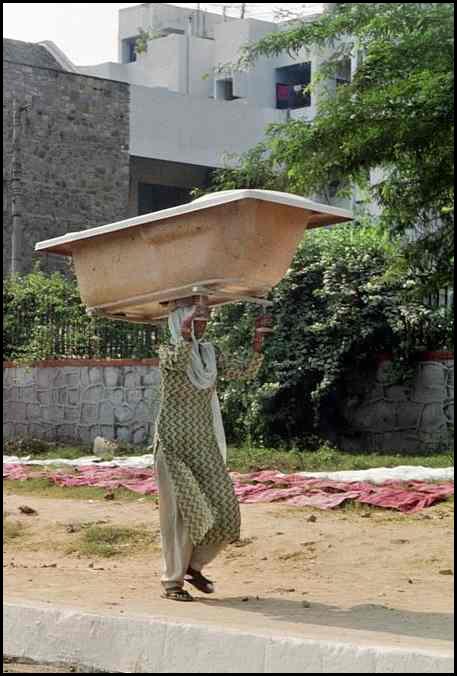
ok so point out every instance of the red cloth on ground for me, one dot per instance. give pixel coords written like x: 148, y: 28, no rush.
x: 267, y: 486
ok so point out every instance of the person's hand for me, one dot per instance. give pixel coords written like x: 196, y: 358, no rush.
x: 263, y: 328
x: 257, y: 344
x: 201, y: 312
x: 186, y: 327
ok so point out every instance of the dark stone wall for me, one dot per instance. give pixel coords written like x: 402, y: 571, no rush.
x: 28, y: 53
x: 74, y: 152
x: 416, y: 416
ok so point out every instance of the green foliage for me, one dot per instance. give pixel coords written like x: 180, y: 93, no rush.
x: 26, y: 446
x: 353, y: 291
x: 258, y: 169
x: 335, y: 310
x: 322, y: 458
x: 46, y: 450
x: 145, y: 37
x: 44, y: 318
x: 395, y: 116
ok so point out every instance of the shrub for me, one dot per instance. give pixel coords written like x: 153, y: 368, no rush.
x: 44, y: 318
x: 346, y: 297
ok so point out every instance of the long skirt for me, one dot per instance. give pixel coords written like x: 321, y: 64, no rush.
x: 178, y: 552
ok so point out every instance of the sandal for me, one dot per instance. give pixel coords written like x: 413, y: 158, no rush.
x: 199, y: 581
x: 177, y: 594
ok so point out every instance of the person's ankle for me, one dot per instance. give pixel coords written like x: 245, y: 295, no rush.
x: 191, y: 571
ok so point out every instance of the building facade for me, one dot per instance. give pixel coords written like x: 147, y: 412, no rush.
x: 65, y: 152
x: 88, y: 145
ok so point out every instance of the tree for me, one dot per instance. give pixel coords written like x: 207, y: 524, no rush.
x: 339, y: 306
x: 395, y: 115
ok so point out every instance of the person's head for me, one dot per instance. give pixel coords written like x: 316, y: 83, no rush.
x: 201, y: 313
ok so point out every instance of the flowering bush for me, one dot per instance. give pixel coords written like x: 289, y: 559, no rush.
x: 346, y: 298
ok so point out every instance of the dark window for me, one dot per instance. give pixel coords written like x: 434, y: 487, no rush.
x: 292, y: 97
x: 154, y: 197
x: 224, y: 90
x: 129, y: 50
x: 229, y: 90
x: 442, y: 298
x: 291, y: 87
x: 344, y: 73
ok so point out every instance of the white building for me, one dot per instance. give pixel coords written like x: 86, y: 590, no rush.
x: 185, y: 119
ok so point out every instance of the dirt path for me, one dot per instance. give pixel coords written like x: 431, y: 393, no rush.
x: 387, y: 574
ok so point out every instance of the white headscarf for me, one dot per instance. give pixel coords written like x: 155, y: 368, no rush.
x: 202, y: 370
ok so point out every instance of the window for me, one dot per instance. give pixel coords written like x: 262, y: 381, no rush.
x: 132, y: 51
x: 154, y: 197
x: 224, y: 90
x: 291, y: 86
x: 442, y: 298
x: 129, y: 54
x: 344, y: 72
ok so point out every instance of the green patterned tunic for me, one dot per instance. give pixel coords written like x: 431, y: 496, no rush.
x: 186, y: 437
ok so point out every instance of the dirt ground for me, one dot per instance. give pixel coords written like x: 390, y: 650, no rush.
x: 375, y: 572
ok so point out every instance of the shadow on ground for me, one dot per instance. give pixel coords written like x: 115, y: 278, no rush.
x: 366, y: 617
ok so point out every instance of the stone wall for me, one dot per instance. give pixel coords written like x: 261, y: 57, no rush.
x: 73, y: 149
x: 28, y: 53
x: 78, y: 401
x: 417, y: 416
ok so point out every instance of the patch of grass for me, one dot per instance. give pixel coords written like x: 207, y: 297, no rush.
x: 110, y: 541
x: 46, y: 489
x: 243, y: 460
x: 45, y: 450
x: 361, y: 509
x: 12, y: 530
x: 127, y: 450
x: 248, y: 459
x: 326, y: 459
x: 68, y: 453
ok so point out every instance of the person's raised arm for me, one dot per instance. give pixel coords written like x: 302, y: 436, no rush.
x: 234, y: 368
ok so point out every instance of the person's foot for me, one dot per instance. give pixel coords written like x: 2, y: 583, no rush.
x: 199, y: 581
x: 177, y: 594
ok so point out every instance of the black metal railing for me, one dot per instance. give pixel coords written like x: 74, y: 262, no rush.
x: 45, y: 334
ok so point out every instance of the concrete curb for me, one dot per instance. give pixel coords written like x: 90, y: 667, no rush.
x: 50, y: 635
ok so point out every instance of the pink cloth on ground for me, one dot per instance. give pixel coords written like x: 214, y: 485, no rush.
x: 260, y: 487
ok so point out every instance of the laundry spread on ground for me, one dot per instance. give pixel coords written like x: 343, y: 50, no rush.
x: 376, y: 475
x: 258, y: 487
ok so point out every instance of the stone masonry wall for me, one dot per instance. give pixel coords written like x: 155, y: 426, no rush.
x: 119, y: 401
x: 414, y: 417
x: 78, y: 401
x: 74, y: 152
